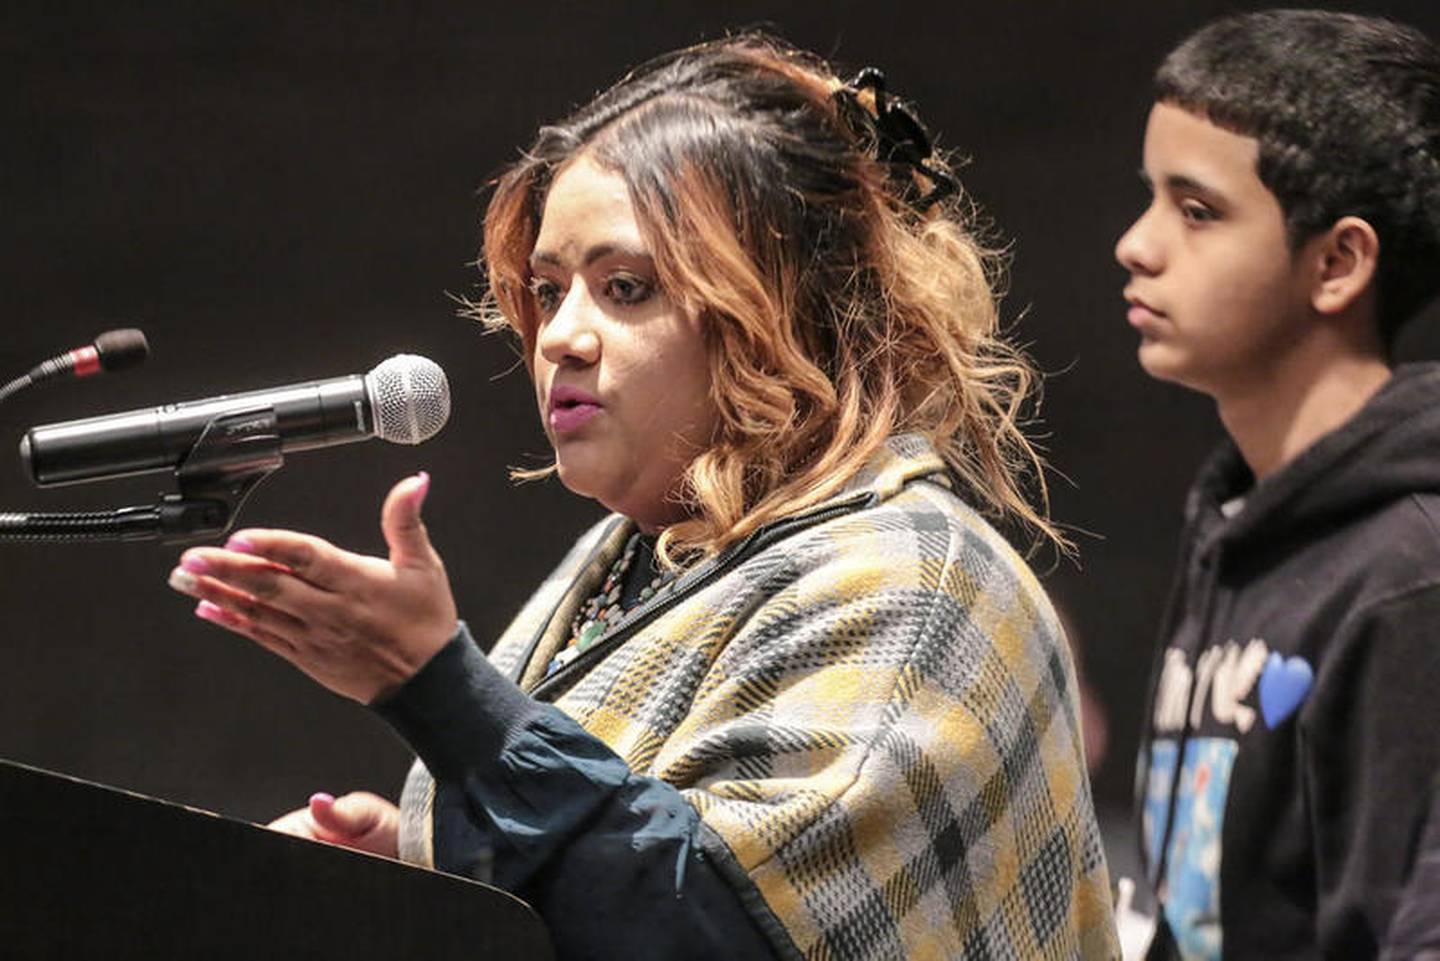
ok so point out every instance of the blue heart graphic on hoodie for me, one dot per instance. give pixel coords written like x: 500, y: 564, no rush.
x: 1283, y: 687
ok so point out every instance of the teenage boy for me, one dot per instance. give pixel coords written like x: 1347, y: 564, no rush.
x: 1288, y: 776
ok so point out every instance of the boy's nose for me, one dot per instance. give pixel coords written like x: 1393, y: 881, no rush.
x: 1136, y: 250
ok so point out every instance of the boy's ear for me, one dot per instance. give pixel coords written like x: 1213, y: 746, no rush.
x: 1348, y: 257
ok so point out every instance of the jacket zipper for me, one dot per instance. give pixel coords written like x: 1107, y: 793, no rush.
x: 1208, y: 556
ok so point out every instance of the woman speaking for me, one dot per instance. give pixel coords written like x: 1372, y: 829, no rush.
x: 795, y: 697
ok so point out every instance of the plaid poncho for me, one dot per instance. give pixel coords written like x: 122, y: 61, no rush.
x: 872, y: 708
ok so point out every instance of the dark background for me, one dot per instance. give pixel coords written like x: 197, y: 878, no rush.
x: 291, y: 192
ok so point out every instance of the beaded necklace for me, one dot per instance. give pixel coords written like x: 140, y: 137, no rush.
x: 606, y: 607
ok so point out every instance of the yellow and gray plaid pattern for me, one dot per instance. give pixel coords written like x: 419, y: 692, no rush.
x: 876, y: 720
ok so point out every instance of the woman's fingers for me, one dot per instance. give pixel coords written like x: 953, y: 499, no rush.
x: 297, y: 823
x: 278, y: 596
x: 353, y: 814
x: 312, y: 559
x: 359, y: 625
x: 262, y: 606
x: 359, y: 820
x: 403, y: 527
x: 245, y: 627
x: 255, y: 561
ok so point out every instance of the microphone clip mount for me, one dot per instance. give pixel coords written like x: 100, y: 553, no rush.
x: 232, y: 456
x: 234, y: 453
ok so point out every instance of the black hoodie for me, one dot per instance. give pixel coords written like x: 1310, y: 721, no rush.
x: 1299, y: 681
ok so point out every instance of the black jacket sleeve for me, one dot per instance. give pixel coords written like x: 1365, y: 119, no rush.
x: 1373, y: 764
x: 611, y: 861
x: 1415, y: 930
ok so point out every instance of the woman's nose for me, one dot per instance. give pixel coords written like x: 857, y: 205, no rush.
x: 571, y: 335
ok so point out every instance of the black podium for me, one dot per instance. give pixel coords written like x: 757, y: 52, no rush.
x: 91, y: 872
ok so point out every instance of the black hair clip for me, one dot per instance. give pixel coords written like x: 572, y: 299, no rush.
x: 890, y: 131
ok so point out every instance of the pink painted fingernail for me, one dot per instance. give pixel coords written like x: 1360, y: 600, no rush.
x: 240, y: 545
x: 320, y: 797
x: 195, y: 564
x: 423, y: 490
x: 209, y: 612
x: 183, y: 581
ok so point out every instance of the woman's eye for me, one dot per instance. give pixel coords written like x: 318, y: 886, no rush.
x: 628, y: 289
x: 546, y: 293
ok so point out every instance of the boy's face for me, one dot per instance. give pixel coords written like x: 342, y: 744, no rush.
x: 1214, y: 291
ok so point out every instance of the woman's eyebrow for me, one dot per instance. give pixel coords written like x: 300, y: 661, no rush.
x: 593, y: 254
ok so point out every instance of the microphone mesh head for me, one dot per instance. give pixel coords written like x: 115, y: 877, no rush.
x: 409, y: 397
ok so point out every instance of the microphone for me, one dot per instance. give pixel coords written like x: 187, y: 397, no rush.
x: 404, y: 400
x: 112, y: 350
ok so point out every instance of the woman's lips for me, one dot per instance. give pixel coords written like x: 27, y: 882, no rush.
x: 571, y: 409
x: 563, y: 420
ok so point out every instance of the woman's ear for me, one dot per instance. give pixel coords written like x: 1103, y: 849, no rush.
x: 1348, y: 259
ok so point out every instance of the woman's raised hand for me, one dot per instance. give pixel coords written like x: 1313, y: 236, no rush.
x: 359, y: 625
x: 360, y: 820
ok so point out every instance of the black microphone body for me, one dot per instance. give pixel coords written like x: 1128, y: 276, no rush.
x: 404, y: 400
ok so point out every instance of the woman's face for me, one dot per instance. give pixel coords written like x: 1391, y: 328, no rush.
x: 621, y: 373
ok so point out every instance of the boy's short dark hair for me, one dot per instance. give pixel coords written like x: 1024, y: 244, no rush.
x: 1346, y: 109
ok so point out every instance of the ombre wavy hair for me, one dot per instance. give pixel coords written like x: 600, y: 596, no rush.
x: 835, y: 313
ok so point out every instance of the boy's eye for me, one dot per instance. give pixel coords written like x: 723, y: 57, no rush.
x: 628, y: 289
x: 1196, y: 212
x: 546, y: 293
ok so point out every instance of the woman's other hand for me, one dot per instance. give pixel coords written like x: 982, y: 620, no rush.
x: 361, y: 626
x: 360, y: 820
